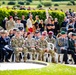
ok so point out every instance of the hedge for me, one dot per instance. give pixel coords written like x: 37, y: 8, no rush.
x: 11, y: 3
x: 42, y: 14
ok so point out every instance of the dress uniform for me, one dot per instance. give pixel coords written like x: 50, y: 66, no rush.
x: 17, y: 43
x: 62, y: 45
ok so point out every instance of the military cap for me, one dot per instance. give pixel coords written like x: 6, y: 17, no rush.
x: 3, y: 32
x: 63, y: 32
x: 28, y: 33
x: 10, y: 17
x: 37, y: 31
x: 74, y: 34
x: 43, y: 34
x: 50, y: 33
x: 17, y: 30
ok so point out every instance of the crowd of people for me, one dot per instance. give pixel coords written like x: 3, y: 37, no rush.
x: 26, y: 35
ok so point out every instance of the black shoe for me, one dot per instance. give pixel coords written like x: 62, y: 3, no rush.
x: 1, y: 61
x: 7, y: 61
x: 66, y: 63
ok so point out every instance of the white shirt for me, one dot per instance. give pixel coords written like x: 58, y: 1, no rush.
x: 29, y: 23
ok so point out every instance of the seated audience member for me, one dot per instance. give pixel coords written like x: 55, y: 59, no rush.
x: 4, y: 49
x: 30, y: 44
x: 17, y: 43
x: 71, y: 48
x: 62, y: 45
x: 50, y: 38
x: 42, y: 47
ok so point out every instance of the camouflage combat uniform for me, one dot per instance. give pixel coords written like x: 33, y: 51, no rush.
x: 41, y: 46
x: 10, y: 25
x: 16, y: 44
x: 30, y: 45
x: 52, y: 52
x: 51, y: 40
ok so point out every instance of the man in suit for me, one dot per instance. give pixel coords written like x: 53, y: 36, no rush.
x: 3, y: 50
x: 71, y: 48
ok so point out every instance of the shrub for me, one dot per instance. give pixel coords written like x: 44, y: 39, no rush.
x: 56, y: 4
x: 72, y: 1
x: 57, y: 14
x: 69, y: 3
x: 27, y: 3
x: 0, y: 4
x: 42, y: 14
x: 11, y: 3
x: 47, y: 3
x: 39, y: 5
x: 21, y: 3
x: 3, y: 2
x: 18, y: 5
x: 29, y: 0
x: 3, y: 13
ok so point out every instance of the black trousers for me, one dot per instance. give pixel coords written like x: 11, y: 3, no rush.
x: 65, y: 55
x: 72, y: 53
x: 8, y: 54
x: 2, y: 54
x: 5, y: 52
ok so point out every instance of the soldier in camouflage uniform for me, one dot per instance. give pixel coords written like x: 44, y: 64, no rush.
x: 50, y: 38
x: 17, y: 43
x: 10, y: 24
x: 30, y: 44
x: 41, y: 47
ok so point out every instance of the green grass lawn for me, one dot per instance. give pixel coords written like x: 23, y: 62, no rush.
x: 51, y: 69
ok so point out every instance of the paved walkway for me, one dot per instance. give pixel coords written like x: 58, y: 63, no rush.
x: 71, y: 65
x: 27, y: 65
x: 22, y: 66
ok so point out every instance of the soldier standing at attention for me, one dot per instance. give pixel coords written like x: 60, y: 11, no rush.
x: 10, y: 24
x: 30, y: 44
x: 17, y: 43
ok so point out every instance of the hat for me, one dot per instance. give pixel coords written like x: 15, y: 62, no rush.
x: 37, y: 31
x: 14, y: 29
x: 17, y: 30
x: 63, y: 32
x: 28, y: 33
x: 10, y: 17
x: 3, y: 32
x: 50, y: 33
x: 43, y: 34
x: 74, y: 34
